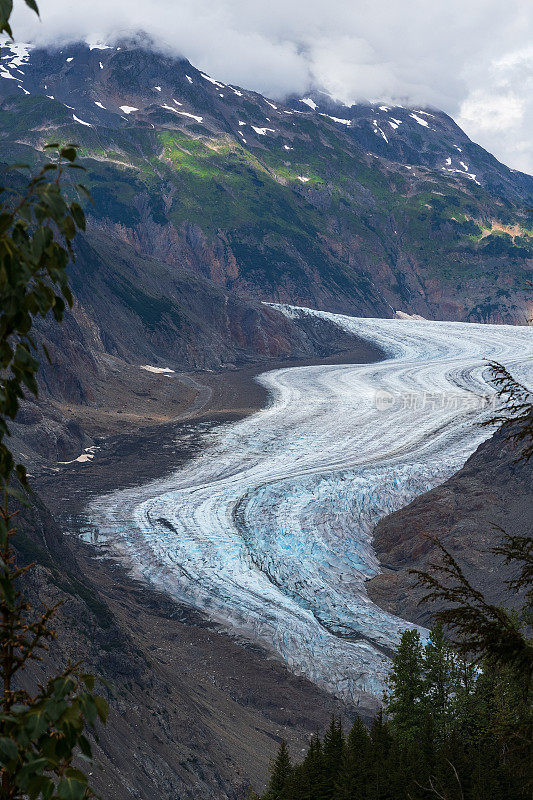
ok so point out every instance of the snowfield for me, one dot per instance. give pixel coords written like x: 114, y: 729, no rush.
x: 269, y: 530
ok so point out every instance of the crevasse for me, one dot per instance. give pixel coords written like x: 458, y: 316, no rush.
x: 269, y: 530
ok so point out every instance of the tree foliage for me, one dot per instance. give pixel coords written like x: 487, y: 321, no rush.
x: 515, y: 418
x: 480, y: 628
x: 37, y: 226
x: 449, y: 733
x: 43, y: 740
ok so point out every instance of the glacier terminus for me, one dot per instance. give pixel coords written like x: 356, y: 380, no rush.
x: 269, y: 530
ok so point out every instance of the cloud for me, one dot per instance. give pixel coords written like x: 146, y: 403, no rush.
x: 472, y: 59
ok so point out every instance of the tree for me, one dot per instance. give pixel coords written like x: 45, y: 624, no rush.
x: 440, y: 680
x: 516, y: 417
x: 480, y: 628
x: 353, y: 774
x: 280, y: 773
x: 333, y: 753
x: 42, y: 731
x: 405, y: 698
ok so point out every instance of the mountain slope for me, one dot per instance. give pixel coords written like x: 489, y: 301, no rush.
x: 492, y: 492
x: 366, y: 210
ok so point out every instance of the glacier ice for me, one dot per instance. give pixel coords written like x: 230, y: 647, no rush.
x: 269, y: 530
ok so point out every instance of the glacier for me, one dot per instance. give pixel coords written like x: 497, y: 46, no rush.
x: 269, y: 530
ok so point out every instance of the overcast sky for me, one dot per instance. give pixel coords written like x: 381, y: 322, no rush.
x: 472, y: 58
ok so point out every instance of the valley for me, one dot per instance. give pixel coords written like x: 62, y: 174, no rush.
x: 269, y: 530
x: 265, y: 395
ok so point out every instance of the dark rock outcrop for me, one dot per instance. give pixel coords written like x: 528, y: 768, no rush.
x: 492, y: 490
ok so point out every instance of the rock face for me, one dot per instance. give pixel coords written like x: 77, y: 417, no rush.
x: 209, y: 199
x: 367, y: 210
x: 492, y: 489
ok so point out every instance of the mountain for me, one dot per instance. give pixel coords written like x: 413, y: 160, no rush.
x: 368, y: 209
x: 208, y: 200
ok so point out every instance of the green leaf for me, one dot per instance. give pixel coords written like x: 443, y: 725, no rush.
x: 8, y: 750
x: 68, y: 152
x: 6, y: 7
x: 88, y: 680
x: 81, y: 188
x: 33, y: 5
x: 40, y: 786
x: 77, y: 774
x: 71, y: 789
x: 17, y: 164
x: 21, y: 474
x: 18, y: 496
x: 85, y: 747
x: 79, y: 217
x: 102, y: 707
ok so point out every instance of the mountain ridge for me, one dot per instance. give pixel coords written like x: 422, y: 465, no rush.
x: 368, y: 210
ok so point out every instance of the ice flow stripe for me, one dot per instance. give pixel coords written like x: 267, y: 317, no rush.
x: 269, y: 530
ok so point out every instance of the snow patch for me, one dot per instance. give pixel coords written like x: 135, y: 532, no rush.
x: 419, y: 120
x: 309, y: 102
x: 263, y: 131
x: 212, y: 80
x: 157, y: 88
x: 183, y: 113
x: 404, y: 315
x: 337, y: 119
x: 128, y: 109
x: 157, y: 370
x: 303, y: 179
x: 77, y: 119
x: 99, y: 104
x: 87, y: 455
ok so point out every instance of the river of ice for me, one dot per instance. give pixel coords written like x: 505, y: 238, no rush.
x: 269, y: 530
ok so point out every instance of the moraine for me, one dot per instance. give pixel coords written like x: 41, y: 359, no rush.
x: 269, y: 530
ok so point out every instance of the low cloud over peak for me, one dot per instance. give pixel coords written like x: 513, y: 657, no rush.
x: 474, y: 60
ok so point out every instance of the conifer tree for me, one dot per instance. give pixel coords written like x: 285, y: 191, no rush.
x: 381, y: 743
x: 406, y: 687
x: 353, y: 774
x: 280, y: 773
x: 439, y: 681
x: 333, y: 753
